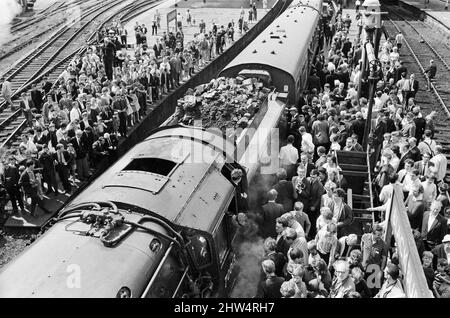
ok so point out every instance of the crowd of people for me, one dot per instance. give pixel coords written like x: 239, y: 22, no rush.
x: 75, y: 124
x: 311, y: 246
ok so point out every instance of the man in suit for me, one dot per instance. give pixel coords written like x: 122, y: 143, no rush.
x: 414, y: 150
x: 420, y: 123
x: 36, y: 96
x: 270, y: 212
x: 29, y: 184
x: 317, y: 190
x: 80, y: 145
x: 434, y: 226
x: 411, y: 87
x: 416, y: 207
x: 314, y: 81
x: 48, y: 172
x: 358, y: 126
x: 380, y: 129
x: 11, y: 178
x: 62, y: 158
x: 285, y: 190
x: 424, y: 165
x: 302, y: 187
x: 304, y: 161
x: 405, y: 155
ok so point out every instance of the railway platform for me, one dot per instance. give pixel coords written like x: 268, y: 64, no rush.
x: 220, y: 12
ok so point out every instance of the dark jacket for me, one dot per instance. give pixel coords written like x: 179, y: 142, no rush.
x: 415, y: 214
x: 270, y: 288
x: 285, y: 197
x: 317, y: 190
x: 270, y: 212
x: 81, y: 148
x: 438, y: 252
x: 279, y: 260
x: 346, y: 218
x: 437, y: 231
x: 26, y: 183
x: 11, y: 176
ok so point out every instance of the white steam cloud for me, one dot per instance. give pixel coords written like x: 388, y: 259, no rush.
x: 9, y: 9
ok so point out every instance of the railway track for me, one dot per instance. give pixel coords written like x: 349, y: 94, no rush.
x: 51, y: 10
x: 424, y: 44
x: 13, y: 122
x: 28, y: 27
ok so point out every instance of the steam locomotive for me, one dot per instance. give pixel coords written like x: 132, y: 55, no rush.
x: 158, y: 223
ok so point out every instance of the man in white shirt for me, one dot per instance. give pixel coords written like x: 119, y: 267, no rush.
x: 307, y: 141
x: 429, y: 190
x: 289, y: 157
x: 6, y: 91
x: 386, y: 191
x: 440, y: 163
x: 399, y: 40
x: 75, y: 113
x: 427, y: 145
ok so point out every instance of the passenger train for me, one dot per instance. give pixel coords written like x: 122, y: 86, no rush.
x: 158, y: 223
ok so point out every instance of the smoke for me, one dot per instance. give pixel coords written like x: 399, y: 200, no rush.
x: 10, y: 8
x: 249, y: 245
x: 250, y: 256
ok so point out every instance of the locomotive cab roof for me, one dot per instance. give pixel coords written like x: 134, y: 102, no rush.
x: 176, y: 173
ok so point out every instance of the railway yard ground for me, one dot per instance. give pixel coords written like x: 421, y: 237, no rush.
x: 32, y: 34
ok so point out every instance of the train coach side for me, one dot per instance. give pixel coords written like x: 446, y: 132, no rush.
x: 284, y: 51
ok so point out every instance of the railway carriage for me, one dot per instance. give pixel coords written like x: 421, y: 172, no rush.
x: 282, y: 54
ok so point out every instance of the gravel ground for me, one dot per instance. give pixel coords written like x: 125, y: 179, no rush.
x: 12, y: 245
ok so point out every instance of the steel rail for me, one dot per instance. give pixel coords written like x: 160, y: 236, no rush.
x: 441, y: 102
x: 42, y: 16
x: 59, y: 35
x: 91, y: 40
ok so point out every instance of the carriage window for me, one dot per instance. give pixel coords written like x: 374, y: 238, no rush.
x: 220, y: 237
x: 200, y: 249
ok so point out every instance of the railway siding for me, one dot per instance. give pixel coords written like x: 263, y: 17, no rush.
x: 424, y: 44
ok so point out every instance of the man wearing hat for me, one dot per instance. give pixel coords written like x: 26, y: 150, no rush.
x: 442, y: 250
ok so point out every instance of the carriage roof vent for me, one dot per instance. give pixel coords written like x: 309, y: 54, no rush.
x: 153, y: 165
x: 284, y: 36
x: 281, y: 42
x: 264, y: 41
x: 254, y: 51
x: 273, y: 52
x: 295, y: 21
